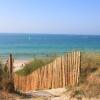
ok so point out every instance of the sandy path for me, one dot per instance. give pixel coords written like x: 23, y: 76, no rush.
x: 53, y: 94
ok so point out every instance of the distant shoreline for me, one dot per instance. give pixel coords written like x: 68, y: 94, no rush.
x: 28, y: 57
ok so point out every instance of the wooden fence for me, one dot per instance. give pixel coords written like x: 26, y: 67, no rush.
x: 63, y: 71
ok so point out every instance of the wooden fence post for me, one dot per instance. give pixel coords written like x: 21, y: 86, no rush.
x: 10, y: 67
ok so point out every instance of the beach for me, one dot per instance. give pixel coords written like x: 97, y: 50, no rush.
x: 49, y: 49
x: 24, y: 51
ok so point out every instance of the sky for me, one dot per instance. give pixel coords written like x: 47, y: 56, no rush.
x: 50, y: 16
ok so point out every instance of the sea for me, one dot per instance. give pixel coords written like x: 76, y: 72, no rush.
x: 28, y: 46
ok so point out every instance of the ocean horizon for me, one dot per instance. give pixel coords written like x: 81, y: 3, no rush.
x: 27, y: 46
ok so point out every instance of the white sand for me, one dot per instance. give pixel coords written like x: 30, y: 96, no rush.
x: 19, y: 64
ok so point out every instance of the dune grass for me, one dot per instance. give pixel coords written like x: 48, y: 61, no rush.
x: 90, y: 74
x: 35, y: 64
x: 90, y: 64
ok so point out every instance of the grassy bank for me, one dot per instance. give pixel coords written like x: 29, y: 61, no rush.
x: 35, y: 64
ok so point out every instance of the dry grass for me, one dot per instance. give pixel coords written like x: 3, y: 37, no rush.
x: 90, y: 75
x: 90, y: 63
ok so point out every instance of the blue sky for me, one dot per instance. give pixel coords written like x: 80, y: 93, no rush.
x: 50, y: 16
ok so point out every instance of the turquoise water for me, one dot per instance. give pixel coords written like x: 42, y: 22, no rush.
x: 25, y: 46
